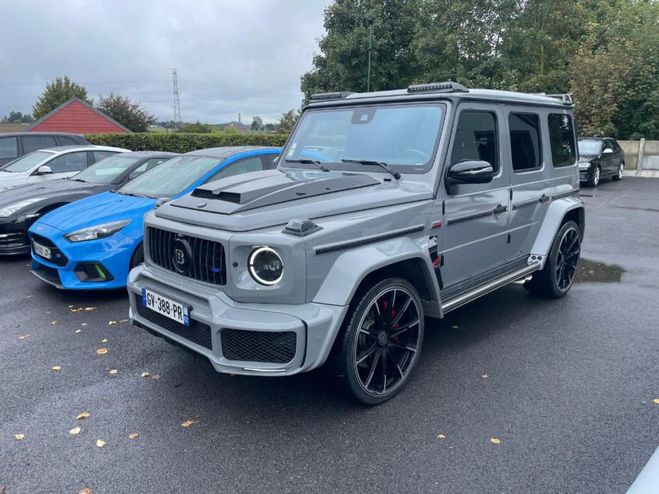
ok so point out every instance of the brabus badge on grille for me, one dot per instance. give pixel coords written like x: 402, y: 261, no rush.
x: 182, y: 255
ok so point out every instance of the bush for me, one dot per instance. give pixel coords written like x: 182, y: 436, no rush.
x: 180, y: 142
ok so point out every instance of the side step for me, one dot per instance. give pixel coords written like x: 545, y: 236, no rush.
x: 488, y: 287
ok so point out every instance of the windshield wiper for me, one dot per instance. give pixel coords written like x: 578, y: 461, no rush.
x: 133, y: 194
x: 307, y: 161
x: 381, y: 164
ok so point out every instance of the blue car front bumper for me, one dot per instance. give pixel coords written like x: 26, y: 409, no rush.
x: 91, y: 265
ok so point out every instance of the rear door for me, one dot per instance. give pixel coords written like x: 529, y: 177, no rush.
x: 473, y: 238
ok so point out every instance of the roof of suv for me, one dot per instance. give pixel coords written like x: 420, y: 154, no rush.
x: 447, y: 90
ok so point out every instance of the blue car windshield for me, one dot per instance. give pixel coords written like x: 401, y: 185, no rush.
x: 107, y: 170
x: 403, y: 136
x: 171, y: 178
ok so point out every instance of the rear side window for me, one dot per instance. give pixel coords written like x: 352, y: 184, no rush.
x: 67, y: 140
x: 32, y: 143
x: 8, y: 147
x: 525, y: 141
x: 67, y: 163
x: 476, y: 138
x: 561, y: 140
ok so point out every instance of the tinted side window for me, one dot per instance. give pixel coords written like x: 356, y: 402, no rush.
x: 8, y: 147
x: 71, y: 162
x: 66, y: 140
x: 243, y: 166
x: 476, y: 138
x: 99, y: 155
x: 525, y: 141
x: 32, y: 143
x: 268, y: 161
x: 561, y: 139
x: 147, y: 165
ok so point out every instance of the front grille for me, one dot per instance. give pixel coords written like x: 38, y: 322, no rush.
x: 258, y: 346
x: 57, y: 256
x: 13, y: 239
x: 206, y: 258
x: 197, y: 332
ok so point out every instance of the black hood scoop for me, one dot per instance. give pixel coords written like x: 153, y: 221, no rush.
x: 265, y: 188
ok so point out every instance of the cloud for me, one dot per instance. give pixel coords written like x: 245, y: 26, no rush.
x: 231, y: 57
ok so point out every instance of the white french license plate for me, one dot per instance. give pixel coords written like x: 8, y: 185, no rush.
x: 165, y: 306
x: 42, y: 250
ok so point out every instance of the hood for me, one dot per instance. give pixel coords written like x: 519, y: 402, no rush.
x: 588, y: 157
x: 8, y: 180
x: 94, y: 210
x: 272, y: 197
x: 67, y: 190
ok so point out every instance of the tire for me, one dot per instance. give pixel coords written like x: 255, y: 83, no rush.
x: 384, y: 327
x: 594, y: 179
x: 138, y: 256
x: 560, y: 270
x: 621, y: 170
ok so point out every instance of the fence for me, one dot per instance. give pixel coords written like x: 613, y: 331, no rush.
x: 642, y: 157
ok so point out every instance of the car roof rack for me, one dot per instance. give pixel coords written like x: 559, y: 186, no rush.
x: 329, y: 96
x: 566, y: 98
x: 438, y: 87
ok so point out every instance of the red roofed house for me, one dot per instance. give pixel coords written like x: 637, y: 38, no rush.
x: 78, y: 117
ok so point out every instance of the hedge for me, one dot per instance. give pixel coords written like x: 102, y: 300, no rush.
x: 179, y: 142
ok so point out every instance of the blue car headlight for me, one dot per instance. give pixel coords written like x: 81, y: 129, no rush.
x: 97, y: 231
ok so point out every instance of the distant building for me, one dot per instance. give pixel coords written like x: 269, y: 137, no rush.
x: 79, y: 117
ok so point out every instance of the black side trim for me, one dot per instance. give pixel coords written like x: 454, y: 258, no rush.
x: 499, y: 209
x: 324, y: 249
x: 565, y: 194
x: 523, y: 204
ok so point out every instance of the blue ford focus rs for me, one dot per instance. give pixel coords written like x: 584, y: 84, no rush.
x: 93, y: 243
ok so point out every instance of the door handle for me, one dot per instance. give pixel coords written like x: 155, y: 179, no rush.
x: 500, y: 209
x: 543, y: 198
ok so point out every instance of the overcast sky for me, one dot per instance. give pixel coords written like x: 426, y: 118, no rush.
x: 231, y: 56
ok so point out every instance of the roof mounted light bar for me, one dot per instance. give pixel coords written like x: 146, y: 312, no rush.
x: 329, y: 96
x: 566, y: 98
x: 438, y: 87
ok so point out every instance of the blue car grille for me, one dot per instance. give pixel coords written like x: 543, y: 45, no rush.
x: 204, y: 259
x: 57, y: 256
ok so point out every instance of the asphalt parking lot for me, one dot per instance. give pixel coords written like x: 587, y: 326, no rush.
x: 567, y: 388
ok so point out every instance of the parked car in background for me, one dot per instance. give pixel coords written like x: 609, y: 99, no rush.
x: 16, y: 144
x: 600, y: 157
x: 92, y: 243
x: 24, y: 204
x: 385, y: 208
x: 53, y: 163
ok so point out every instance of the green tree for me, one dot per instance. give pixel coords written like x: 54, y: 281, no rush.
x: 197, y: 128
x: 342, y: 62
x: 17, y: 117
x: 287, y: 121
x: 56, y: 93
x: 128, y: 113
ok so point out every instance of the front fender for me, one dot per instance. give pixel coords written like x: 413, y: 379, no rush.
x: 352, y: 266
x: 556, y: 212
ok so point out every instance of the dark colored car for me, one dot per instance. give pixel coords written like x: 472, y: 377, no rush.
x: 600, y: 157
x: 16, y: 144
x: 23, y: 205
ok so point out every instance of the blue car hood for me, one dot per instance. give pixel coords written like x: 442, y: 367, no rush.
x: 94, y: 210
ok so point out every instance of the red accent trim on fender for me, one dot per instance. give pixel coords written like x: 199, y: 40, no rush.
x: 436, y: 224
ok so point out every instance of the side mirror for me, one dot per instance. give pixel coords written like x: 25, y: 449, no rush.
x: 607, y: 151
x: 470, y: 172
x: 44, y: 170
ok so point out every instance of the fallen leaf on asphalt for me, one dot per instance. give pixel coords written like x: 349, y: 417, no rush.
x: 155, y: 376
x: 145, y: 374
x: 90, y: 308
x: 656, y: 400
x: 123, y: 321
x: 24, y: 337
x: 113, y: 371
x: 484, y: 376
x: 111, y: 323
x: 78, y: 331
x: 19, y: 437
x: 455, y: 326
x: 101, y: 351
x: 56, y: 368
x: 86, y: 490
x: 188, y: 423
x: 104, y: 340
x: 53, y: 323
x: 83, y: 324
x: 100, y: 443
x: 134, y: 435
x: 74, y: 431
x: 83, y: 415
x: 441, y: 436
x: 494, y: 440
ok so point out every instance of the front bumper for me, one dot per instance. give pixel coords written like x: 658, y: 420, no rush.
x: 13, y: 238
x: 110, y: 256
x: 585, y: 174
x: 214, y: 316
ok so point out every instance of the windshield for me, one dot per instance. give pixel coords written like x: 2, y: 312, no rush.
x: 172, y: 177
x: 403, y: 136
x: 106, y: 171
x: 590, y: 146
x: 26, y: 162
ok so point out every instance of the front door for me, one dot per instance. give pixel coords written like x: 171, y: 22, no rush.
x: 473, y: 238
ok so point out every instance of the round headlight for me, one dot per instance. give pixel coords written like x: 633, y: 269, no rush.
x: 266, y: 266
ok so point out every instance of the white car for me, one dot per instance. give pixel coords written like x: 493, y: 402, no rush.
x: 52, y: 163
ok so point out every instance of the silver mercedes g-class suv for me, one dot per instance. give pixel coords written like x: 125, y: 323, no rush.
x: 385, y: 208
